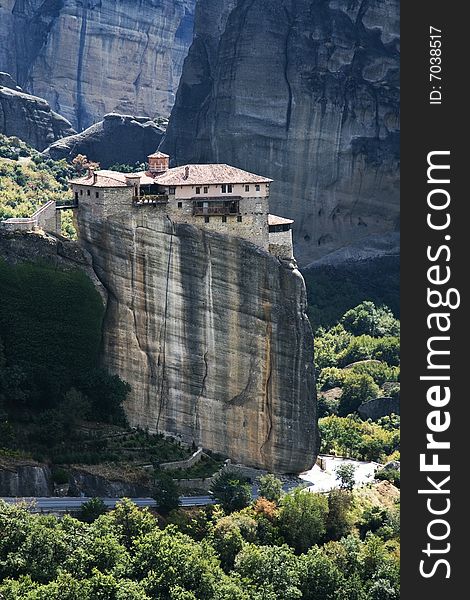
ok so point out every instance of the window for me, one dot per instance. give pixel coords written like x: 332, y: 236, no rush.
x: 97, y: 194
x: 206, y: 190
x: 239, y: 218
x: 227, y: 188
x: 172, y: 189
x: 224, y: 219
x: 257, y: 187
x: 198, y: 190
x: 180, y: 205
x: 206, y: 219
x: 88, y: 192
x: 81, y: 192
x: 76, y: 196
x: 247, y: 188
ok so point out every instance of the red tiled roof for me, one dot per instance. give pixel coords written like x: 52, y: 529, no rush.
x: 158, y: 155
x: 208, y: 174
x: 196, y: 175
x: 110, y: 179
x: 275, y: 220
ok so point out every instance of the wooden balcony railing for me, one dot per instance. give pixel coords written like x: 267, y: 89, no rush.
x: 150, y: 199
x: 214, y: 210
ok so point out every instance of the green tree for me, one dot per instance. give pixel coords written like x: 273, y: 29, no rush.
x: 359, y: 348
x: 345, y: 474
x: 357, y: 389
x: 339, y: 522
x: 107, y: 394
x: 227, y: 541
x: 232, y: 491
x: 388, y: 350
x: 92, y: 509
x: 272, y: 571
x: 127, y: 522
x: 302, y: 518
x: 320, y: 578
x: 165, y: 493
x: 165, y: 559
x: 270, y: 487
x: 366, y: 318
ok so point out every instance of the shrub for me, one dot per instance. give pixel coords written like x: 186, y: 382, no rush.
x: 92, y: 509
x: 392, y: 475
x: 368, y: 319
x: 302, y: 519
x: 165, y: 493
x: 232, y: 491
x: 357, y: 389
x: 270, y: 487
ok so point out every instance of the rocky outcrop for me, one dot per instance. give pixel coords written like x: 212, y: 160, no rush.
x: 116, y: 139
x: 30, y: 118
x: 212, y: 335
x: 25, y: 480
x: 305, y: 92
x: 6, y: 80
x: 379, y: 407
x: 86, y: 483
x: 92, y: 57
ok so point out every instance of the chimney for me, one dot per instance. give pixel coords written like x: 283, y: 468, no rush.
x: 95, y: 177
x: 186, y: 173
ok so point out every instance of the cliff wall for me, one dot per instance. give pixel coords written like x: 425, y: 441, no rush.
x: 211, y: 333
x: 92, y: 57
x: 30, y: 119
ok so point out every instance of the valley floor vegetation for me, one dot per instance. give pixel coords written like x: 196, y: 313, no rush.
x: 358, y: 360
x: 337, y: 546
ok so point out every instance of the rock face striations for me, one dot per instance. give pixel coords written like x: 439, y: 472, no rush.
x: 305, y: 91
x: 92, y: 57
x: 29, y: 118
x: 211, y: 333
x: 115, y: 139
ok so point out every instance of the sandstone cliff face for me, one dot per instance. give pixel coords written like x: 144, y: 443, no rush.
x: 305, y: 92
x: 212, y: 335
x: 31, y: 119
x: 116, y: 139
x: 92, y: 57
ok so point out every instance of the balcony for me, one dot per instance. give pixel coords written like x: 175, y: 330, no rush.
x: 150, y: 200
x: 215, y: 207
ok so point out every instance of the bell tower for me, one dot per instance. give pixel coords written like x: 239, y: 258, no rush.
x: 159, y: 163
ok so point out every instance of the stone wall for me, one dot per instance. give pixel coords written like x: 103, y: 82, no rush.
x: 183, y: 464
x: 46, y: 218
x: 117, y: 202
x: 280, y: 244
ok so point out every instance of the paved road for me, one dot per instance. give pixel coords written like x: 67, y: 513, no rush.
x: 316, y: 480
x: 72, y: 504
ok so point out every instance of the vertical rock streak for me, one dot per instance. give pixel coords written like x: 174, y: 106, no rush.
x: 81, y: 52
